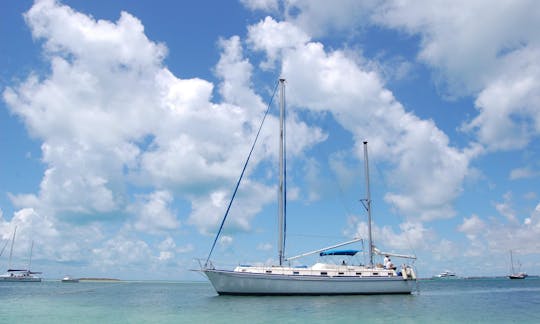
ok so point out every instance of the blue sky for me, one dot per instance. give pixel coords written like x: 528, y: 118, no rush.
x: 124, y: 126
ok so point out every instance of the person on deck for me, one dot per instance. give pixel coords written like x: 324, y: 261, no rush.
x: 390, y: 265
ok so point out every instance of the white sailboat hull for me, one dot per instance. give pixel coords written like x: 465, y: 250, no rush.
x: 241, y: 283
x: 19, y: 279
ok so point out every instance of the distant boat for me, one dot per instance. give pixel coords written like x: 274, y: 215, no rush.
x: 20, y: 275
x: 446, y: 275
x: 514, y: 274
x: 322, y: 278
x: 70, y: 279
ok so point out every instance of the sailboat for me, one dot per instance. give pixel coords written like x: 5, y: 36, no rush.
x: 514, y: 274
x: 322, y: 278
x: 20, y: 275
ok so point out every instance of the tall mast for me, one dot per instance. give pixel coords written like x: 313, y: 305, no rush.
x: 30, y: 260
x: 368, y: 205
x: 282, y: 193
x: 512, y: 262
x: 11, y: 249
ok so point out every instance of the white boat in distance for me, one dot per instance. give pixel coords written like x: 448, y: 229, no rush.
x: 70, y: 279
x: 446, y: 275
x: 321, y: 278
x: 19, y: 275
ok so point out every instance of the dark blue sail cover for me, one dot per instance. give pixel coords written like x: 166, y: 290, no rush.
x: 339, y: 252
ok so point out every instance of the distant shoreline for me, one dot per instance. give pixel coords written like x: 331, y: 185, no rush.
x: 98, y: 279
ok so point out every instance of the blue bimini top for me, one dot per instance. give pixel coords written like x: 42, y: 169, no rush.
x: 339, y: 252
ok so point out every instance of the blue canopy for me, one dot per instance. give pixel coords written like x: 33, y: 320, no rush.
x: 339, y: 252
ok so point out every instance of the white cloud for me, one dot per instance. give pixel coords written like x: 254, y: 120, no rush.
x: 494, y: 58
x: 112, y: 117
x: 531, y: 195
x: 274, y: 37
x: 225, y: 240
x: 265, y: 5
x: 168, y: 249
x: 411, y: 236
x: 264, y: 247
x: 208, y: 211
x: 331, y: 81
x: 472, y: 226
x: 319, y: 17
x: 236, y: 71
x: 153, y: 212
x: 501, y: 235
x: 53, y: 240
x: 523, y: 173
x: 505, y: 208
x: 122, y: 251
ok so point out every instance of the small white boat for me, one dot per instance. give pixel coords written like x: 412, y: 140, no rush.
x: 20, y: 275
x: 446, y: 275
x: 321, y: 278
x: 69, y: 279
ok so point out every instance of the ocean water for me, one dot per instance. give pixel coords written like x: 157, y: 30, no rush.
x: 497, y: 300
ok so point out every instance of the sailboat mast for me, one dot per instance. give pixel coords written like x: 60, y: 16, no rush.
x: 368, y: 204
x: 512, y: 262
x: 30, y: 260
x: 281, y: 194
x: 11, y: 249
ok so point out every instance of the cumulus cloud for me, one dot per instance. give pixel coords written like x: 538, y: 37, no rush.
x: 331, y: 81
x: 502, y: 234
x: 505, y: 208
x: 319, y: 17
x: 411, y: 235
x: 523, y: 173
x: 494, y: 59
x: 264, y: 247
x: 53, y: 240
x: 274, y: 37
x: 265, y: 5
x: 111, y: 116
x: 122, y: 251
x: 209, y: 210
x: 153, y: 212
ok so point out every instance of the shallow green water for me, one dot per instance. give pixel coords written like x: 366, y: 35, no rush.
x: 451, y: 301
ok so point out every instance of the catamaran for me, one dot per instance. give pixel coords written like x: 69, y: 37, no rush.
x: 19, y: 275
x: 322, y: 278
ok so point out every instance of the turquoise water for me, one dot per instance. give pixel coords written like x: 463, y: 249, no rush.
x: 451, y: 301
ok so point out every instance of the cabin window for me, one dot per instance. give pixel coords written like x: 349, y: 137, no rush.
x: 296, y: 272
x: 324, y: 273
x: 375, y: 273
x: 340, y: 273
x: 268, y: 271
x: 359, y: 273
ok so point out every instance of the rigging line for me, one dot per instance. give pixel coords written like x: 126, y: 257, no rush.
x: 5, y: 245
x: 241, y: 176
x: 284, y: 176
